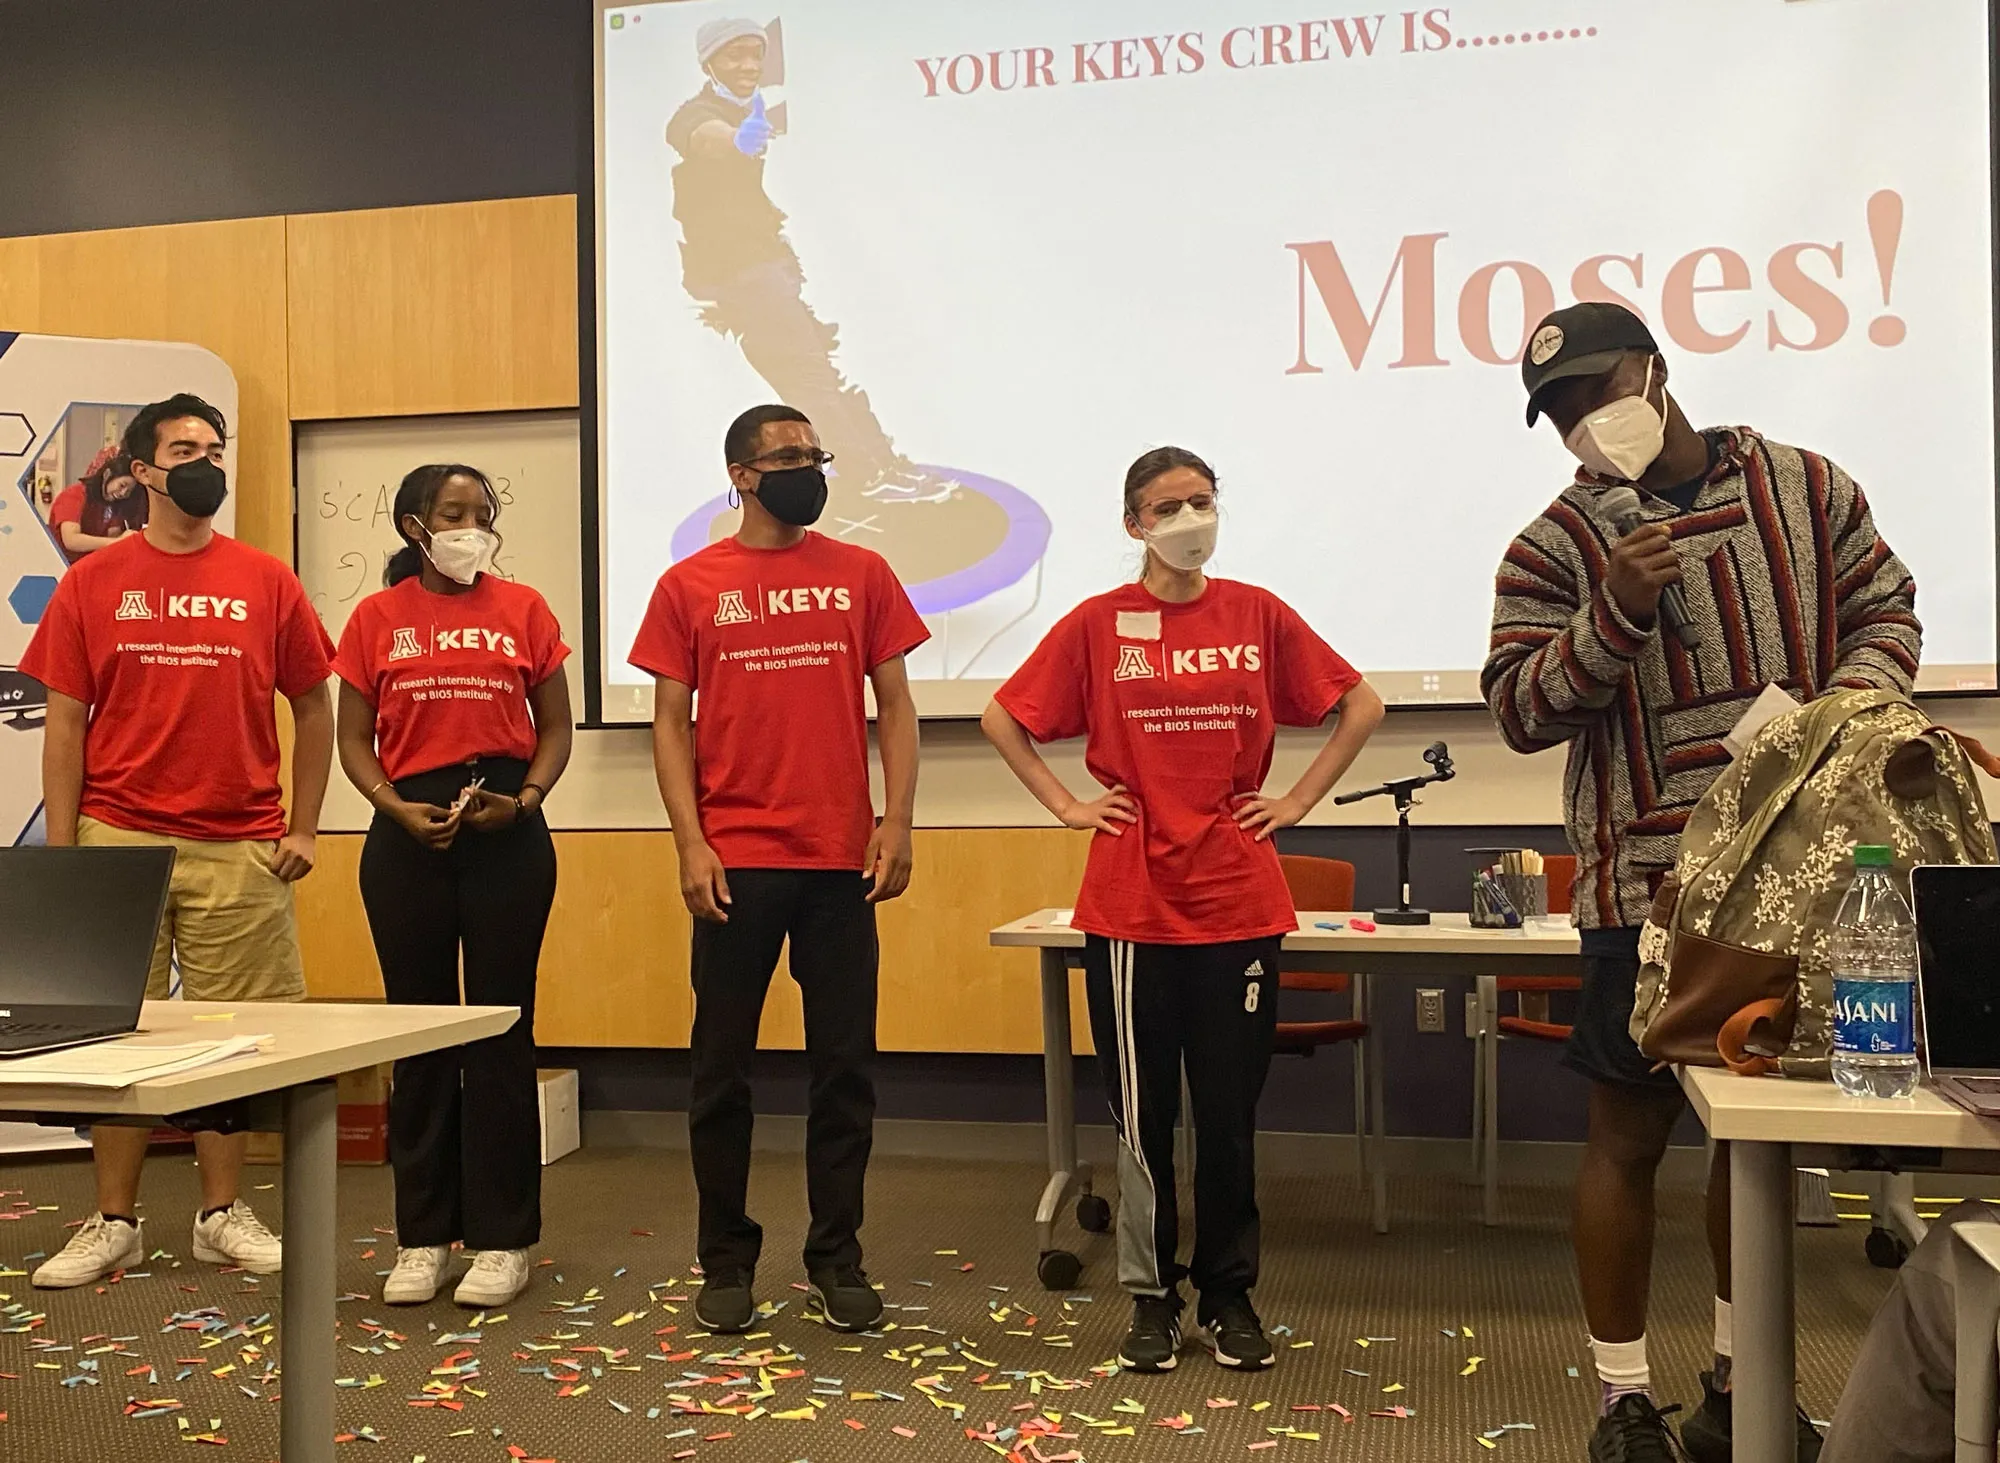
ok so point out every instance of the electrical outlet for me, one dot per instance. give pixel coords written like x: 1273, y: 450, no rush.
x: 1430, y: 1012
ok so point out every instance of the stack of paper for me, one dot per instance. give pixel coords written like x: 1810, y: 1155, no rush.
x: 114, y: 1064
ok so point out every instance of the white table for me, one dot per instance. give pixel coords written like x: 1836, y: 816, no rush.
x: 311, y: 1045
x: 1772, y: 1124
x: 1447, y: 946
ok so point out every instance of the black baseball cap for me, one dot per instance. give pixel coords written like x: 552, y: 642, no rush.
x: 1582, y: 340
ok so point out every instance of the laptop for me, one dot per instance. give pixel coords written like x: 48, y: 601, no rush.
x: 1958, y: 980
x: 77, y: 927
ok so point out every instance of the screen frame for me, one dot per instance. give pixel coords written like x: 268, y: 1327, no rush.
x: 964, y: 700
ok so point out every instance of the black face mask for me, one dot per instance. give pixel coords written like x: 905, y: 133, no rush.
x: 794, y: 495
x: 197, y: 487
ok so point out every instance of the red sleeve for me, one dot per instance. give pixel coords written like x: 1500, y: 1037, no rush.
x: 58, y: 656
x: 354, y: 662
x: 1308, y: 676
x: 665, y: 646
x: 546, y: 651
x: 305, y: 650
x: 1049, y: 694
x: 68, y: 506
x: 894, y: 626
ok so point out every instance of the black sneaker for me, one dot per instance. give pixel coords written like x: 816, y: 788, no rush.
x: 845, y: 1298
x: 1635, y: 1431
x: 725, y: 1304
x: 1153, y: 1343
x: 1707, y: 1434
x: 1236, y: 1337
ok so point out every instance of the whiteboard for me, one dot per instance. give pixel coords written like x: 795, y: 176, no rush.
x: 344, y: 525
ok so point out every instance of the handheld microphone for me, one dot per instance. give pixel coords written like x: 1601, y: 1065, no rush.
x: 1621, y: 506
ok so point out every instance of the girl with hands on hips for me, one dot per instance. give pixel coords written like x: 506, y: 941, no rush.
x: 1177, y: 683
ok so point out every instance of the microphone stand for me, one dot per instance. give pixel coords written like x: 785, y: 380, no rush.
x: 1404, y: 791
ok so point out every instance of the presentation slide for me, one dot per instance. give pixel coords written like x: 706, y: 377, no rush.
x: 997, y: 251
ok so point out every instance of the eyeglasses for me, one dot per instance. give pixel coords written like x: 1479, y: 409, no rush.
x: 786, y: 458
x: 1166, y: 508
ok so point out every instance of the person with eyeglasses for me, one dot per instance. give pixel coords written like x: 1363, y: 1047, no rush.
x: 1178, y: 682
x: 778, y: 627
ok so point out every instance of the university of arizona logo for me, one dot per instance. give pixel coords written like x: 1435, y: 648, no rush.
x: 406, y: 644
x: 133, y: 606
x: 1132, y: 664
x: 730, y: 609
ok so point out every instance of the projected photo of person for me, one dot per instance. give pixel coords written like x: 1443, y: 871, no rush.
x: 741, y: 270
x: 956, y: 538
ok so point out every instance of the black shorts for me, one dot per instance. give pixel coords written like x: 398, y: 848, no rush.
x: 1600, y: 1043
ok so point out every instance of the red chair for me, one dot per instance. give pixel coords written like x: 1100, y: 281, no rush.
x: 1528, y: 1022
x: 1322, y: 885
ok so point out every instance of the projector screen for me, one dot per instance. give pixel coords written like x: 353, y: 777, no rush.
x: 1024, y: 242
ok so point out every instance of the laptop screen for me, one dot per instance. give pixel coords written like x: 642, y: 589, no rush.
x: 1958, y: 959
x: 77, y: 925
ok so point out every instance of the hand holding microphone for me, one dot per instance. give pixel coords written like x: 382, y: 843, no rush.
x: 1645, y: 572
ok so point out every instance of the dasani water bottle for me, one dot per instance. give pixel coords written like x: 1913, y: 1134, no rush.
x: 1874, y: 983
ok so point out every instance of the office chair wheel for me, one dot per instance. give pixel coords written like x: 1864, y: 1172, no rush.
x: 1886, y: 1249
x: 1059, y: 1270
x: 1093, y: 1213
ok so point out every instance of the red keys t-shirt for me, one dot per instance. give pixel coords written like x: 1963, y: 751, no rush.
x: 449, y: 674
x: 1181, y: 703
x: 177, y: 657
x: 778, y: 643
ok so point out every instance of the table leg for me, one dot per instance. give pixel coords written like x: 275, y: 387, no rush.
x: 1760, y: 1263
x: 1059, y: 1099
x: 1489, y: 1139
x: 1978, y: 1294
x: 1378, y: 1177
x: 305, y: 1416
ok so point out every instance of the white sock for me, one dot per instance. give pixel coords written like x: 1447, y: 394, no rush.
x: 1724, y: 1329
x: 1621, y: 1366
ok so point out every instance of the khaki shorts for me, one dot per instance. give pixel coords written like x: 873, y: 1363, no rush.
x: 229, y: 923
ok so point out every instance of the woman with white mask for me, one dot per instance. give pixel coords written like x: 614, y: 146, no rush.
x: 1179, y: 681
x: 455, y: 723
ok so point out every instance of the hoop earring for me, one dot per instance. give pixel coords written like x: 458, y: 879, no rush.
x: 735, y: 498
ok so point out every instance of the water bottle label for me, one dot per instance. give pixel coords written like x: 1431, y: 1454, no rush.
x: 1872, y: 1018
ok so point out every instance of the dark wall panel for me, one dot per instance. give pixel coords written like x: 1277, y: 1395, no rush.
x: 123, y: 112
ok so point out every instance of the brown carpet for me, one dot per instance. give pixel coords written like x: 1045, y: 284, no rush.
x: 1506, y: 1296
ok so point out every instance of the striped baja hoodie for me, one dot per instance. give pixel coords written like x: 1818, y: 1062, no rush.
x: 1787, y: 581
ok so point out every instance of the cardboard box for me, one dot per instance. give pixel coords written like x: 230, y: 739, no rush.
x: 363, y: 1121
x: 556, y: 1092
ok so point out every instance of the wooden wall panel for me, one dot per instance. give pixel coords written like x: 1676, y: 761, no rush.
x: 614, y: 968
x: 217, y: 285
x: 452, y: 308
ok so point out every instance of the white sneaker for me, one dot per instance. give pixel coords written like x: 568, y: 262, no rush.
x: 237, y: 1236
x: 418, y: 1274
x: 496, y: 1277
x: 93, y: 1252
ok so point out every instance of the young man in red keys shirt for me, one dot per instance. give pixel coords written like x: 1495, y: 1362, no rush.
x: 162, y: 655
x: 777, y: 628
x: 1179, y: 682
x: 455, y: 724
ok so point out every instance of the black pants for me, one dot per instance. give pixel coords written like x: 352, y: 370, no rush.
x: 464, y: 1131
x: 1213, y: 1008
x: 834, y: 955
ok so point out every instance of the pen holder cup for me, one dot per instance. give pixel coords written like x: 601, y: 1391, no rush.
x: 1528, y: 893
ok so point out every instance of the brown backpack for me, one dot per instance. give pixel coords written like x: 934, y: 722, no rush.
x: 1735, y: 957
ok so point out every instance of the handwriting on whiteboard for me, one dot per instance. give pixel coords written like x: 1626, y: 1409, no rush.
x: 371, y: 507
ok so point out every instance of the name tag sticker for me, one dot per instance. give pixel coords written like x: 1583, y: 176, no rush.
x: 1138, y: 624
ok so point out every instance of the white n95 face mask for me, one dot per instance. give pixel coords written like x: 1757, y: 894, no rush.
x: 463, y: 553
x: 1187, y: 540
x: 1623, y: 438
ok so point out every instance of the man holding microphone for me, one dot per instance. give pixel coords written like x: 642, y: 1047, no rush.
x: 1751, y: 564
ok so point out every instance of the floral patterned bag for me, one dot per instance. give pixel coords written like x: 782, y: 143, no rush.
x: 1735, y: 957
